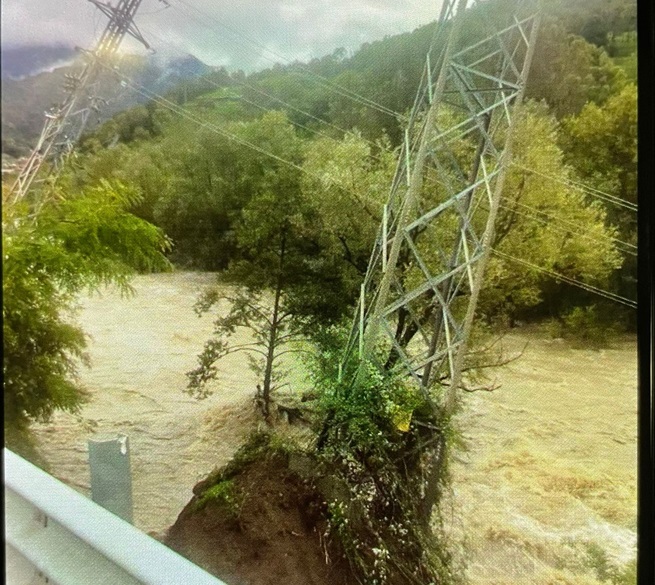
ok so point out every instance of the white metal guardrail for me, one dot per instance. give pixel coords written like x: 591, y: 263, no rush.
x: 70, y: 540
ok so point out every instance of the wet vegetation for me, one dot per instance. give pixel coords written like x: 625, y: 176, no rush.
x: 287, y: 216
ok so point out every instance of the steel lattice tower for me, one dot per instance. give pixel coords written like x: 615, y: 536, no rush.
x: 59, y: 133
x: 420, y: 292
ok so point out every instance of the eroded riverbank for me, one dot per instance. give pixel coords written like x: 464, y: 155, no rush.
x: 550, y: 470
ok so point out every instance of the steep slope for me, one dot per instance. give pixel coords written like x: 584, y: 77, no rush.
x: 259, y: 522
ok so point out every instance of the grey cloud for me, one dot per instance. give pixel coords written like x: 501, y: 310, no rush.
x: 27, y: 22
x: 294, y: 29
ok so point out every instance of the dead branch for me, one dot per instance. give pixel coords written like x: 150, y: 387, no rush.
x: 501, y: 361
x: 498, y: 363
x: 483, y: 388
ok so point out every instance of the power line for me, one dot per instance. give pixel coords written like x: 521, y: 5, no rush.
x: 159, y: 10
x: 210, y: 126
x: 258, y: 90
x: 428, y: 178
x: 345, y: 131
x: 175, y: 108
x: 185, y: 113
x: 339, y: 128
x: 206, y: 79
x: 585, y: 188
x: 319, y: 79
x: 581, y: 230
x: 583, y: 285
x: 201, y: 77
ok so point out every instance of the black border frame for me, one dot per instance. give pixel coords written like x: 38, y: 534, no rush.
x: 646, y: 299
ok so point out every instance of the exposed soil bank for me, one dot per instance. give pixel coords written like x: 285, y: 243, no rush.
x: 263, y: 526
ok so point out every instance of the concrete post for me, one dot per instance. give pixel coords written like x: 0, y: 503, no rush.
x: 111, y: 478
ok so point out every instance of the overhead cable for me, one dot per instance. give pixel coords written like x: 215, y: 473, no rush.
x: 572, y: 281
x: 319, y: 79
x: 585, y: 188
x: 557, y: 224
x: 185, y: 113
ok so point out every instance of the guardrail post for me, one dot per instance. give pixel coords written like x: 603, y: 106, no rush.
x: 111, y: 477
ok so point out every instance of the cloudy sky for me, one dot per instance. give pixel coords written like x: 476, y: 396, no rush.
x: 244, y: 34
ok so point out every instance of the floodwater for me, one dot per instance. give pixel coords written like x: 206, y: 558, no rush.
x: 545, y: 492
x: 140, y: 349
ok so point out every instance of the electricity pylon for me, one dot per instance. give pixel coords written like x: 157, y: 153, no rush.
x: 425, y: 273
x: 56, y: 141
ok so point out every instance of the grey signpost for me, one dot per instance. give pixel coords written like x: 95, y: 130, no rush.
x: 111, y: 477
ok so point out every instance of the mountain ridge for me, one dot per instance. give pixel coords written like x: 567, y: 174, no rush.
x: 33, y: 84
x: 26, y: 61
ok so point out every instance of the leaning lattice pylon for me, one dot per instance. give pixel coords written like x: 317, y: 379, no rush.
x: 420, y: 291
x: 65, y: 122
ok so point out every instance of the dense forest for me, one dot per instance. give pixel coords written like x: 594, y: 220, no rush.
x: 277, y: 181
x: 579, y: 131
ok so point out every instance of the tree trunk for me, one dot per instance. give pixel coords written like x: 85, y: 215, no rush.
x: 272, y: 339
x: 434, y: 472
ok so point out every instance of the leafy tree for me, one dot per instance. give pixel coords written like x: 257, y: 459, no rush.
x: 268, y: 251
x: 137, y: 123
x: 601, y: 145
x: 568, y: 71
x: 623, y: 50
x: 85, y: 240
x: 213, y: 178
x: 596, y: 20
x: 305, y: 104
x: 545, y: 221
x: 272, y: 337
x: 146, y: 167
x: 345, y: 185
x: 301, y: 245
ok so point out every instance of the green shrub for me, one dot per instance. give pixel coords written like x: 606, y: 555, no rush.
x: 51, y: 255
x: 222, y: 494
x: 589, y: 326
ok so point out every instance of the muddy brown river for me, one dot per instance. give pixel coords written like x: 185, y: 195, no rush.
x: 549, y: 473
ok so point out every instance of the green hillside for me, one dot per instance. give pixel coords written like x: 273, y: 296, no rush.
x: 174, y: 153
